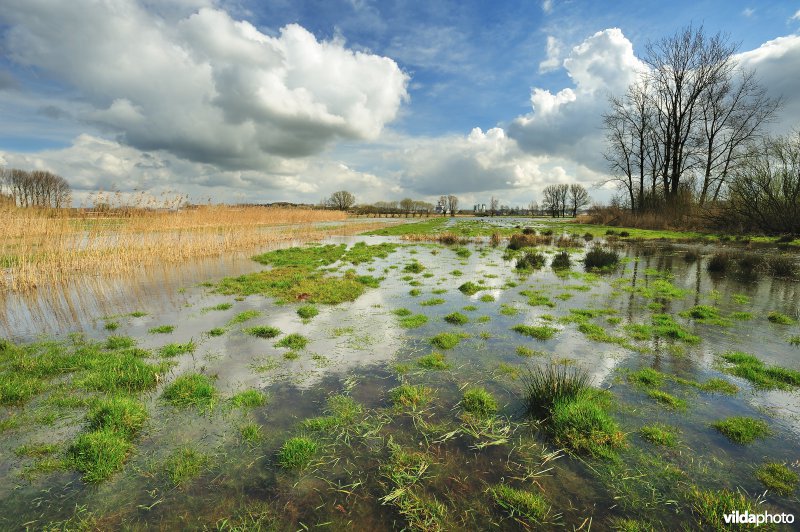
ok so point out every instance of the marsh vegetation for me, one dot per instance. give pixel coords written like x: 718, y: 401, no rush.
x: 361, y: 383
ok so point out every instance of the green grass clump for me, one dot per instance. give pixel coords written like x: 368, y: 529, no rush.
x: 119, y: 342
x: 249, y: 399
x: 759, y: 374
x: 456, y: 318
x: 193, y: 389
x: 408, y: 395
x: 537, y: 299
x: 778, y: 478
x: 250, y: 433
x: 17, y: 389
x: 445, y: 340
x: 173, y: 350
x: 244, y: 316
x: 741, y: 316
x: 361, y: 252
x: 162, y: 329
x: 433, y: 360
x: 98, y: 454
x: 123, y: 372
x: 524, y: 351
x: 262, y: 331
x: 413, y: 321
x: 462, y: 252
x: 122, y: 415
x: 298, y: 284
x: 541, y: 332
x: 581, y: 424
x: 647, y: 377
x: 664, y: 326
x: 520, y: 503
x: 469, y: 288
x: 414, y: 267
x: 216, y: 331
x: 660, y: 434
x: 307, y: 311
x: 599, y: 258
x: 36, y: 449
x: 185, y: 464
x: 780, y: 319
x: 404, y: 471
x: 742, y: 430
x: 487, y: 298
x: 479, y: 403
x: 414, y: 292
x: 667, y: 399
x: 717, y: 385
x: 545, y: 385
x: 297, y: 453
x: 313, y: 256
x: 709, y: 508
x: 220, y: 307
x: 294, y: 341
x: 431, y: 302
x: 342, y: 412
x: 705, y: 314
x: 402, y: 312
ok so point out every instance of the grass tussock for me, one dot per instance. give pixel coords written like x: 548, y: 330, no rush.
x: 411, y: 396
x: 445, y: 340
x: 478, y: 402
x: 523, y: 504
x: 531, y: 260
x: 540, y: 332
x: 249, y: 399
x: 748, y: 367
x: 660, y: 434
x: 742, y: 429
x: 98, y: 454
x: 297, y: 453
x: 194, y: 389
x: 435, y: 361
x: 262, y: 331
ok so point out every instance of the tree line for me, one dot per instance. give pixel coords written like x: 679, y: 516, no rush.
x: 563, y: 199
x: 37, y: 188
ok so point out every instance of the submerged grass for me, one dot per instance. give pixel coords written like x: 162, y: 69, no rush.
x: 540, y: 332
x: 660, y: 434
x: 743, y: 430
x: 759, y: 374
x: 185, y: 464
x: 518, y: 503
x: 262, y: 331
x: 433, y: 360
x: 777, y: 477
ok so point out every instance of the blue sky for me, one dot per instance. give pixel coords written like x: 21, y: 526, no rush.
x: 291, y: 100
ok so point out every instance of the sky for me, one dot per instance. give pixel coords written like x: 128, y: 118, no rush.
x: 287, y: 100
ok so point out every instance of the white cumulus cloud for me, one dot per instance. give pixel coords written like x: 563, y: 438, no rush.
x: 200, y: 85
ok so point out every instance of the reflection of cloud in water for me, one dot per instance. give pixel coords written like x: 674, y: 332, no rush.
x: 599, y: 360
x: 367, y: 334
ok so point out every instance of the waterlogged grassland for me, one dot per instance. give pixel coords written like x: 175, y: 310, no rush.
x: 369, y: 386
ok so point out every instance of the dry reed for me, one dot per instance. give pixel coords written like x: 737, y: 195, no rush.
x: 42, y: 247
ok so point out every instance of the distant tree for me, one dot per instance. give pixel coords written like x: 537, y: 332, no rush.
x: 407, y: 205
x: 533, y: 207
x: 452, y: 204
x: 578, y: 198
x: 37, y: 189
x: 494, y: 203
x: 341, y: 200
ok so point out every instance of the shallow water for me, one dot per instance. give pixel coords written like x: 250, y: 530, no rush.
x: 359, y: 348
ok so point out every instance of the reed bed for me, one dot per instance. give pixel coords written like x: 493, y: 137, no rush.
x: 43, y: 247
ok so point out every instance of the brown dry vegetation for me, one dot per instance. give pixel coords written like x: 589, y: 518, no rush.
x: 40, y: 247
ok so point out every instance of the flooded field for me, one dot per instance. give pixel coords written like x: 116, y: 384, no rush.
x: 380, y: 382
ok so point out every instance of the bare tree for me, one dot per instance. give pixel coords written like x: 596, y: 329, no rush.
x: 533, y: 207
x: 37, y: 189
x: 765, y: 188
x: 682, y: 68
x: 578, y: 198
x: 733, y: 110
x: 452, y: 204
x: 341, y: 200
x: 494, y: 203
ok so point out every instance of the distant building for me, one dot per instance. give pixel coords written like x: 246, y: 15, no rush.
x: 441, y: 206
x: 479, y: 208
